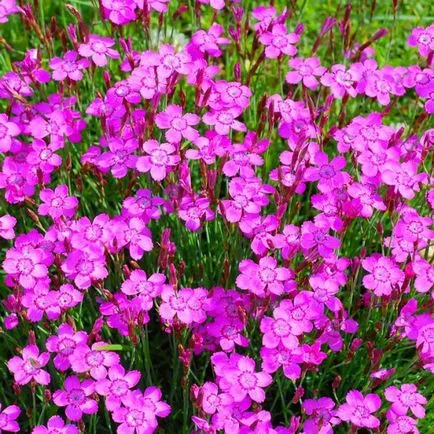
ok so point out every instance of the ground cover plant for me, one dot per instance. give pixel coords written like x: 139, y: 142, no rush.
x: 216, y: 217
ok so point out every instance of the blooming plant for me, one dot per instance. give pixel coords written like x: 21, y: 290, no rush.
x: 216, y: 217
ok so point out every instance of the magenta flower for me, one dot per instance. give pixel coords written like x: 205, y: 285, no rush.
x: 115, y: 388
x: 178, y: 125
x: 224, y: 120
x: 68, y: 67
x: 188, y: 305
x: 98, y: 48
x: 279, y: 42
x: 7, y: 224
x: 403, y: 177
x: 140, y: 411
x: 195, y: 211
x: 423, y: 39
x: 85, y: 267
x: 119, y: 12
x: 94, y: 360
x: 64, y: 345
x: 358, y: 409
x: 147, y: 288
x: 244, y: 381
x: 401, y: 424
x: 404, y: 398
x: 8, y: 130
x: 44, y: 156
x: 341, y: 81
x: 323, y: 415
x: 55, y: 425
x: 263, y: 278
x: 28, y: 267
x: 57, y: 203
x: 384, y: 277
x: 328, y: 174
x: 7, y: 7
x: 75, y: 397
x: 305, y: 70
x: 160, y: 160
x: 29, y: 366
x: 211, y: 399
x: 209, y: 42
x: 8, y: 418
x: 314, y: 236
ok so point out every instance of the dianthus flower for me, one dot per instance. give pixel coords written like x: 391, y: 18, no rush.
x: 211, y: 399
x: 64, y: 344
x: 116, y: 386
x: 401, y: 424
x: 75, y: 397
x: 243, y: 380
x: 7, y: 223
x: 194, y: 211
x: 323, y: 415
x: 55, y: 425
x: 29, y: 366
x: 94, y: 360
x: 341, y: 81
x: 423, y: 39
x: 98, y: 48
x: 358, y: 409
x: 160, y: 160
x: 8, y: 130
x: 178, y: 125
x: 279, y: 42
x: 57, y: 203
x: 224, y: 120
x: 188, y: 305
x: 140, y: 411
x: 263, y: 278
x: 404, y: 398
x: 68, y: 67
x: 209, y: 42
x: 306, y: 71
x: 384, y: 275
x: 119, y: 12
x: 8, y: 418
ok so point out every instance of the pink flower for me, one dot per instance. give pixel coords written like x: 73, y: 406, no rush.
x: 29, y: 366
x: 119, y: 12
x: 7, y: 7
x: 55, y: 425
x: 244, y: 381
x: 8, y: 130
x: 177, y: 124
x: 358, y: 409
x: 160, y: 160
x: 75, y: 398
x: 224, y: 120
x: 210, y: 398
x: 188, y: 305
x: 57, y: 203
x: 401, y: 424
x: 328, y: 174
x: 64, y: 345
x: 8, y: 418
x: 341, y: 81
x: 195, y: 211
x: 384, y: 275
x: 263, y: 278
x: 279, y: 42
x: 68, y: 67
x: 305, y: 70
x: 404, y: 398
x: 98, y: 48
x: 85, y: 267
x: 314, y: 236
x: 116, y: 387
x: 208, y: 42
x: 94, y: 360
x: 423, y: 39
x: 28, y: 267
x: 140, y: 411
x: 7, y: 223
x: 403, y: 177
